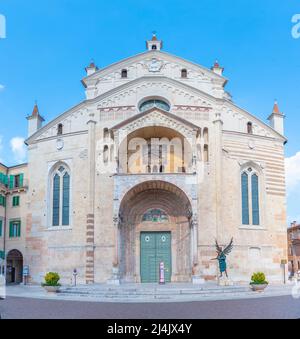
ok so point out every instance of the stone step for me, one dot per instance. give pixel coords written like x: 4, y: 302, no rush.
x: 146, y: 293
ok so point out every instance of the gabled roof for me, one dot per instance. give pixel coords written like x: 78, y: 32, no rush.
x: 149, y: 111
x: 153, y: 53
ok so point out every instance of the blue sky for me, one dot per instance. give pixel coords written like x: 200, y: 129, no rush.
x: 49, y: 43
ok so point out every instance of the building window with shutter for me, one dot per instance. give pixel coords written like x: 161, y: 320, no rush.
x: 2, y: 200
x: 16, y: 201
x: 15, y: 229
x: 250, y: 197
x: 61, y: 196
x: 1, y: 228
x: 16, y: 181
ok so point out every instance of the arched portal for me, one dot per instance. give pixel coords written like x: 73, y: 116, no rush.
x: 155, y: 227
x: 14, y: 267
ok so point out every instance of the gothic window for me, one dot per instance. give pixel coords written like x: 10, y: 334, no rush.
x: 145, y: 106
x: 155, y: 215
x: 249, y: 128
x: 250, y: 197
x: 124, y: 73
x: 61, y: 197
x: 184, y: 73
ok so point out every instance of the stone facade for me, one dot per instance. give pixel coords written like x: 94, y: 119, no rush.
x: 108, y: 195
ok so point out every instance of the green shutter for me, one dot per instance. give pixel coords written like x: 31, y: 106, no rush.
x: 11, y: 229
x: 11, y: 182
x: 1, y: 223
x: 19, y: 229
x: 21, y: 179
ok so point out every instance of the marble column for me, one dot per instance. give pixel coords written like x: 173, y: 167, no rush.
x: 218, y: 125
x: 90, y: 225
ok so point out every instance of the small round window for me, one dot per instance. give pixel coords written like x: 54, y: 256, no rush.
x: 145, y: 106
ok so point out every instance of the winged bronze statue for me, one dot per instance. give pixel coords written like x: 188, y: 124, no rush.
x: 222, y: 253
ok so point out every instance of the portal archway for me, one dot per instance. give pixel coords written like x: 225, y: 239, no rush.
x: 14, y: 267
x: 155, y: 226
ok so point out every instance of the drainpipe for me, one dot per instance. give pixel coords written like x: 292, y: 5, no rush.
x: 4, y: 235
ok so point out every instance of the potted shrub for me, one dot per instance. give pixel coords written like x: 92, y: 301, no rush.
x: 51, y: 283
x: 258, y: 282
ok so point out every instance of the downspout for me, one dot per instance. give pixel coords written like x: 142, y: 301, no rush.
x: 4, y: 233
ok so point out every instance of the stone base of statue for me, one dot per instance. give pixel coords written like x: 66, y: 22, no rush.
x: 115, y: 279
x: 197, y: 280
x: 224, y: 281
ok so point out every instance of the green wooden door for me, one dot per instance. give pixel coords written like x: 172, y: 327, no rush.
x: 155, y: 248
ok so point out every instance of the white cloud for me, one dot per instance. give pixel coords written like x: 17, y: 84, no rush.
x: 18, y: 148
x: 292, y: 166
x: 2, y: 87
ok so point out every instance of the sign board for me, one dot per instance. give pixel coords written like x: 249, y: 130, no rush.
x: 283, y: 262
x: 26, y: 271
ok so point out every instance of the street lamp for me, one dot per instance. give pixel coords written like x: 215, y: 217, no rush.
x: 75, y: 276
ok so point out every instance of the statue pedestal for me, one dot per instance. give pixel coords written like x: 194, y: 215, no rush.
x: 197, y: 280
x: 224, y: 281
x: 115, y: 279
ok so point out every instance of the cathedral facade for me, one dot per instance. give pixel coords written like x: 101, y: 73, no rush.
x: 154, y: 166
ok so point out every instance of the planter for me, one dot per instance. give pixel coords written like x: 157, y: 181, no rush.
x: 52, y: 289
x: 259, y: 287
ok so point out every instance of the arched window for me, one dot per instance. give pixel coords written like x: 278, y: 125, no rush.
x: 155, y: 215
x: 184, y: 73
x: 249, y: 128
x: 106, y: 134
x: 124, y: 73
x: 154, y: 47
x: 145, y: 106
x: 61, y: 197
x: 105, y: 154
x: 205, y: 135
x: 250, y: 197
x: 60, y: 129
x: 206, y: 154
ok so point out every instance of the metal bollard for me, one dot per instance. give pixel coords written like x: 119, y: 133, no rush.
x: 162, y: 273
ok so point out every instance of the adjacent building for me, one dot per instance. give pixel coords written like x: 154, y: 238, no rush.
x: 154, y: 165
x: 294, y: 248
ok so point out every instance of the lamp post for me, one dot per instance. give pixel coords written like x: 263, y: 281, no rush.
x: 75, y: 276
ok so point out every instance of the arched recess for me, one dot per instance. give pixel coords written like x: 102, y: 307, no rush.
x: 14, y: 268
x: 176, y: 208
x: 155, y: 149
